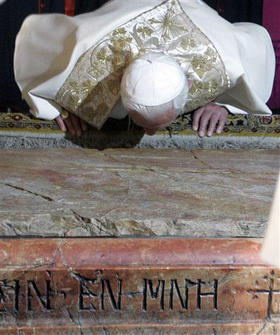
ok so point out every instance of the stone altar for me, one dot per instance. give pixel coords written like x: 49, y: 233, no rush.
x: 136, y: 242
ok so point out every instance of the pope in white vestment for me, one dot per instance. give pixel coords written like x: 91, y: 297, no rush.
x: 78, y: 63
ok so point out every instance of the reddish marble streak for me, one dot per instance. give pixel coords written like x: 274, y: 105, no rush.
x: 84, y: 252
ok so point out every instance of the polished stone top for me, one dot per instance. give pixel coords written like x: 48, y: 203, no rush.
x: 136, y: 192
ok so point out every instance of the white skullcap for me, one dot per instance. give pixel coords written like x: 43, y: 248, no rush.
x: 151, y: 80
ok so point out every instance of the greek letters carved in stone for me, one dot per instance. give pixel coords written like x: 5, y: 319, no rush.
x: 96, y: 294
x: 108, y: 292
x: 86, y: 293
x: 158, y: 291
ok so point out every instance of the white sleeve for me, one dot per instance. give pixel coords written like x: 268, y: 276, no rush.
x: 232, y: 109
x: 39, y: 57
x: 257, y: 56
x: 42, y: 108
x: 254, y: 87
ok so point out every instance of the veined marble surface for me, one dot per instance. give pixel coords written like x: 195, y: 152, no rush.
x: 136, y: 192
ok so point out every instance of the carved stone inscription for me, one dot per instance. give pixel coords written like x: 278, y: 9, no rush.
x: 166, y: 301
x: 137, y: 294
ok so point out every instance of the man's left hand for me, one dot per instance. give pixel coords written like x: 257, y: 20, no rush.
x: 209, y: 118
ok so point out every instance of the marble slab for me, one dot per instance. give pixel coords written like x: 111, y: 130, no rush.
x: 136, y: 192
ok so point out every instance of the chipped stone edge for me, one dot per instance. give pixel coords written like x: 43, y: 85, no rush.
x: 102, y: 141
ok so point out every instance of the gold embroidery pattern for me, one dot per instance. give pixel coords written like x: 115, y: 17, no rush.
x: 93, y: 87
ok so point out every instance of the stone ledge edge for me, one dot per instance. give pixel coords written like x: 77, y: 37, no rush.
x: 128, y: 252
x: 198, y: 328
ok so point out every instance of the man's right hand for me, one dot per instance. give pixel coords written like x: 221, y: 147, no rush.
x: 72, y: 124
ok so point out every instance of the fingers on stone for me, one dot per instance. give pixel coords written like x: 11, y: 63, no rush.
x: 76, y: 125
x: 213, y: 124
x: 61, y: 124
x: 196, y: 118
x: 221, y: 125
x: 69, y: 125
x: 204, y: 121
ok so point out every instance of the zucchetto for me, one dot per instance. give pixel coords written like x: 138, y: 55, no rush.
x: 151, y: 80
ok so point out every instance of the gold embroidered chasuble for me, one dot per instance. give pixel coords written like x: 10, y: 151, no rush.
x: 93, y: 87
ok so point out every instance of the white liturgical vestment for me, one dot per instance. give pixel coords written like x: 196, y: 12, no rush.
x: 74, y: 61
